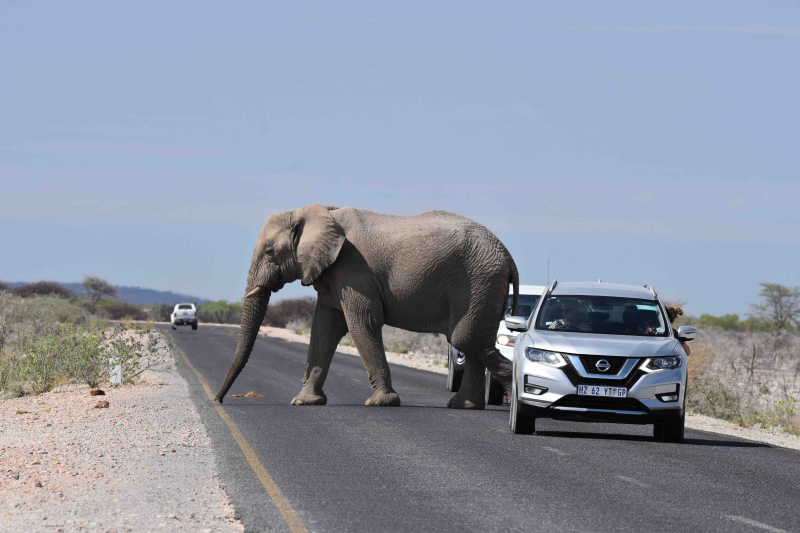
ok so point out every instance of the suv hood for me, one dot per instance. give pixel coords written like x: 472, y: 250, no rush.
x: 608, y: 345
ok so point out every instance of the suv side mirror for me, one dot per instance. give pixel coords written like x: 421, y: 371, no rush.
x: 516, y: 323
x: 685, y: 333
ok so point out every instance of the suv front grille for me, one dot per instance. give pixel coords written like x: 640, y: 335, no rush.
x: 589, y: 363
x: 590, y: 402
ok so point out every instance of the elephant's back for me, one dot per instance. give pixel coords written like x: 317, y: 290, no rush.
x: 451, y: 262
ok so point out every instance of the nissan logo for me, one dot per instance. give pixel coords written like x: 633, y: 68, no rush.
x: 602, y: 365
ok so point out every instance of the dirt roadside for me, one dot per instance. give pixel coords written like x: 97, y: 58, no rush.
x: 143, y: 463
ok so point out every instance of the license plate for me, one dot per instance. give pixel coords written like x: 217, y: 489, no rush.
x: 600, y: 390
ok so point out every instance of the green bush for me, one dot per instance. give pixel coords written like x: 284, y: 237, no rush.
x: 76, y: 353
x: 221, y: 312
x: 161, y: 312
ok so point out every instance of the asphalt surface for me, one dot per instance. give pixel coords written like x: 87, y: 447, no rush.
x: 423, y: 467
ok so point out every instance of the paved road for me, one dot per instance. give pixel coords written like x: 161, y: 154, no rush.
x: 423, y: 467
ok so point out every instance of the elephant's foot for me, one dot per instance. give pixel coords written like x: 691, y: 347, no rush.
x: 384, y: 399
x: 464, y: 401
x: 308, y: 397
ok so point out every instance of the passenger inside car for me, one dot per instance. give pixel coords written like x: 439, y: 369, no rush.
x: 575, y: 316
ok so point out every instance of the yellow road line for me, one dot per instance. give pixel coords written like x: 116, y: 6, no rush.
x: 287, y: 511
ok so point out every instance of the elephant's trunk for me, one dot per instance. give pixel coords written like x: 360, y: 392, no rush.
x: 253, y: 313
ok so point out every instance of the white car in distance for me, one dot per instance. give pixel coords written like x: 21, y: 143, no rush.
x: 528, y: 298
x: 184, y: 315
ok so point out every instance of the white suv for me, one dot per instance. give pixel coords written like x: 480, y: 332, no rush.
x: 528, y: 298
x: 599, y: 352
x: 184, y: 314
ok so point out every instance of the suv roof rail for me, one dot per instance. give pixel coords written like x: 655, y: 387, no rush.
x: 652, y: 292
x: 551, y: 288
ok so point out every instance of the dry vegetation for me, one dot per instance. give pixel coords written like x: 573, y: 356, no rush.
x: 749, y: 378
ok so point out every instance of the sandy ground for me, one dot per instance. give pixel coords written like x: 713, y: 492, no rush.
x: 143, y: 464
x: 756, y: 434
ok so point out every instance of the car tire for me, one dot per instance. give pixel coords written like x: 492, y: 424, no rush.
x: 494, y: 390
x: 454, y: 375
x: 671, y: 432
x: 194, y: 326
x: 520, y: 423
x: 174, y: 326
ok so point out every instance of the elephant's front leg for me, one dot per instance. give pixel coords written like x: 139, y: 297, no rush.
x: 327, y: 330
x: 365, y: 328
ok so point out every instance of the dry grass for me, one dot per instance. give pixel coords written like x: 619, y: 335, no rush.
x: 746, y: 377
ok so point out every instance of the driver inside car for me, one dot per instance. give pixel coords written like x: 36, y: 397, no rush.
x: 575, y: 317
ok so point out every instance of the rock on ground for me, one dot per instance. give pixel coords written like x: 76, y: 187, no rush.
x: 144, y: 463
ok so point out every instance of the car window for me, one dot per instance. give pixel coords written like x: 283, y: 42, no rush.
x: 527, y: 303
x: 602, y: 314
x: 185, y: 306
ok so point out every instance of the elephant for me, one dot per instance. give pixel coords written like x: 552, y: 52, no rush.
x: 435, y: 272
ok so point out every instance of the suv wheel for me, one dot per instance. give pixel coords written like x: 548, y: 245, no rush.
x: 520, y: 423
x: 174, y: 326
x: 194, y: 326
x: 672, y: 432
x: 453, y: 374
x: 494, y: 390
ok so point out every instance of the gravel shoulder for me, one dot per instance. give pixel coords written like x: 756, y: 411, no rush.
x: 144, y: 463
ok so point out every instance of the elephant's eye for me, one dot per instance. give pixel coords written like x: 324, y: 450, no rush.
x: 269, y: 250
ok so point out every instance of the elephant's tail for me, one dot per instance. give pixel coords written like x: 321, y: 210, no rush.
x: 515, y: 282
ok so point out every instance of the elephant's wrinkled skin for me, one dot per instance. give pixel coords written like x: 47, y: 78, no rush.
x: 435, y: 272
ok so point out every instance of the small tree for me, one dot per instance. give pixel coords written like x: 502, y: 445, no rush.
x: 97, y: 288
x: 780, y: 306
x: 3, y: 286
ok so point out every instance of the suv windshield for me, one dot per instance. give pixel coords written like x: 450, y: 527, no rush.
x: 602, y: 314
x: 527, y: 303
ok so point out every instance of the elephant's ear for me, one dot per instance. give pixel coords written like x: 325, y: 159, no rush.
x: 317, y: 240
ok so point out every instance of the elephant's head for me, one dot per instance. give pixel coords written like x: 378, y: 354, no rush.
x: 292, y: 245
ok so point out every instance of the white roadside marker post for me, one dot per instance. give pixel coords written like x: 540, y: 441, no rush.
x: 115, y: 372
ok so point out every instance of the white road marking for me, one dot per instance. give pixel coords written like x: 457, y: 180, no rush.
x: 634, y: 481
x: 753, y: 523
x: 554, y: 450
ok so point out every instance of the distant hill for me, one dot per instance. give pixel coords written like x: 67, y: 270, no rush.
x: 135, y: 295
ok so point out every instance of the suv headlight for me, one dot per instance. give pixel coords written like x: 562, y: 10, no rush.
x: 542, y: 356
x: 506, y: 340
x: 661, y: 363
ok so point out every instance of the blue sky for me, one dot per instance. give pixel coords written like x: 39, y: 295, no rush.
x: 633, y: 142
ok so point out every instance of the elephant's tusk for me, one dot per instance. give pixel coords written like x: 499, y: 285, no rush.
x: 254, y: 292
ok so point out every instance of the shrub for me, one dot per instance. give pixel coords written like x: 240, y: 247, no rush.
x: 745, y: 377
x: 221, y: 312
x: 300, y: 310
x: 43, y: 288
x: 28, y: 317
x: 118, y: 310
x: 77, y: 353
x: 161, y: 312
x: 3, y: 286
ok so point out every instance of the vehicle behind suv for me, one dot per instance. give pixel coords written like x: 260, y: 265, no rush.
x: 184, y: 315
x: 599, y: 352
x: 528, y: 298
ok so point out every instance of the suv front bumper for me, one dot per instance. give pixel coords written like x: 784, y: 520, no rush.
x: 561, y: 400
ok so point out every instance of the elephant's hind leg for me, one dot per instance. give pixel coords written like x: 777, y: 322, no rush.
x: 472, y: 393
x: 327, y: 330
